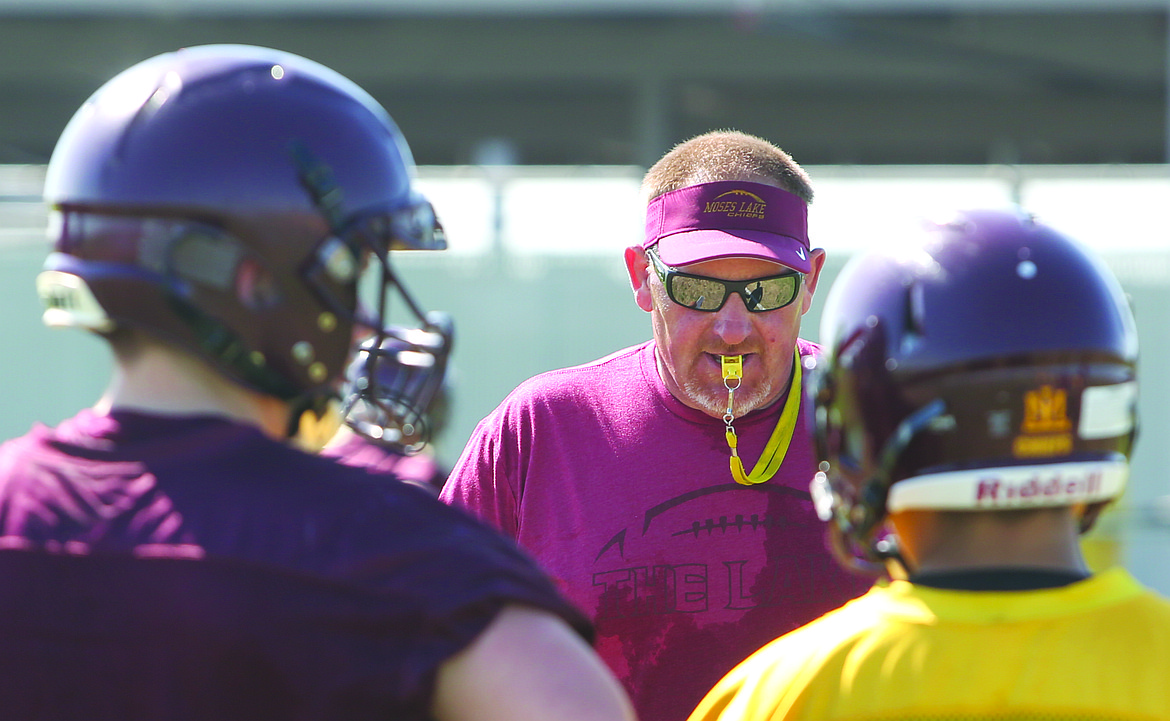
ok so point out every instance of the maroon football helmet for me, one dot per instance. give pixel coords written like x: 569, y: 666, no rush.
x: 226, y: 198
x: 990, y: 364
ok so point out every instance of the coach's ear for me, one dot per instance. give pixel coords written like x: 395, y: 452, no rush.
x: 817, y: 258
x: 638, y: 266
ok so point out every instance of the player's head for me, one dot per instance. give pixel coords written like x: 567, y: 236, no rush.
x: 988, y: 365
x: 394, y: 389
x: 725, y: 206
x: 225, y: 199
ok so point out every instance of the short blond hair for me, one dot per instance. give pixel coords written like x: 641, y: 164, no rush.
x: 725, y: 155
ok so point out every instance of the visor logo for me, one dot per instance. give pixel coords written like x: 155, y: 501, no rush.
x: 737, y: 204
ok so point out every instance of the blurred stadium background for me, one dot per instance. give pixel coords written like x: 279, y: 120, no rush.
x: 532, y: 121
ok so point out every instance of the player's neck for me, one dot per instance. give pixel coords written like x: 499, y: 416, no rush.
x: 952, y: 541
x: 161, y: 380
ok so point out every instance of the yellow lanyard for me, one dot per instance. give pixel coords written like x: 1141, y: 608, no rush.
x: 777, y: 446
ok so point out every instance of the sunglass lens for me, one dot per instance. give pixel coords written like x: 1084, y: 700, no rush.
x: 697, y: 293
x: 771, y: 294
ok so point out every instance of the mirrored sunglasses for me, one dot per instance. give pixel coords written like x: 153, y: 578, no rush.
x: 699, y: 292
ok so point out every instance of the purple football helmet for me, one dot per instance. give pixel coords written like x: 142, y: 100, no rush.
x: 226, y: 198
x: 396, y: 381
x: 989, y: 365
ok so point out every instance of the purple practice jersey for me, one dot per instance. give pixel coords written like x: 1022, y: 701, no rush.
x: 191, y: 568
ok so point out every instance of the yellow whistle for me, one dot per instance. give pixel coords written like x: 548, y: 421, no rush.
x: 732, y: 366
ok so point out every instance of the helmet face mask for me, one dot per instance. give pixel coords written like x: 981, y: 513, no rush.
x: 993, y: 367
x: 224, y: 198
x: 394, y: 381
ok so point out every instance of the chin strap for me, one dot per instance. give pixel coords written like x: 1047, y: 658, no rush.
x: 313, y: 421
x: 777, y: 446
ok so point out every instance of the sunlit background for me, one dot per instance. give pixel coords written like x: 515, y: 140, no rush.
x: 533, y: 120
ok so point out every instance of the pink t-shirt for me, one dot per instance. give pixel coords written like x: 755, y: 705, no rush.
x: 625, y: 497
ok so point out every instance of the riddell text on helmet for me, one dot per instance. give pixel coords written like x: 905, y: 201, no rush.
x: 1039, y: 489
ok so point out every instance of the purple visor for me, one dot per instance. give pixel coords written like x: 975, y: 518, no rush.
x: 729, y: 218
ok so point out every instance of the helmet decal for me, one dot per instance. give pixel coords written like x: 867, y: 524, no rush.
x: 1009, y: 487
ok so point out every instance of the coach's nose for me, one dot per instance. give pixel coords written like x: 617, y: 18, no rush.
x: 733, y: 322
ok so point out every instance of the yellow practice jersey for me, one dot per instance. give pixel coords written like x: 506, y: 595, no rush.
x: 1096, y: 650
